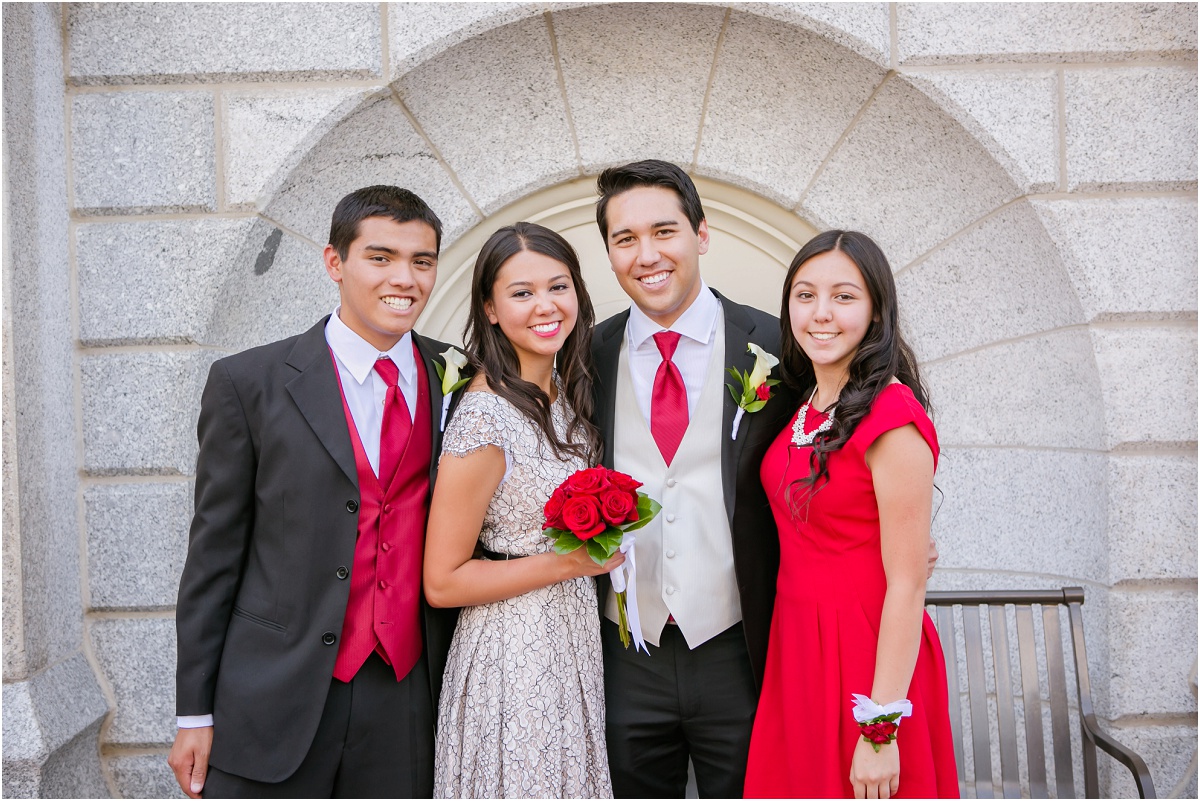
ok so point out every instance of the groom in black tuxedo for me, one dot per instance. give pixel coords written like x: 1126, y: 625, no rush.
x: 309, y: 665
x: 707, y: 565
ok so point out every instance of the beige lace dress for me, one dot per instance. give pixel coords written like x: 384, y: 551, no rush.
x: 522, y: 705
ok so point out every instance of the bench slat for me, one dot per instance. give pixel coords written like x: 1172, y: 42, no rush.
x: 1060, y: 722
x: 977, y: 691
x: 1006, y: 719
x: 1031, y: 696
x: 945, y: 627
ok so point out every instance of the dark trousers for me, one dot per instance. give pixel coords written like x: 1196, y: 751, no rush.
x: 674, y: 704
x: 375, y: 740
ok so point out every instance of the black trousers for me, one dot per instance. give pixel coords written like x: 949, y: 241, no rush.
x: 375, y: 740
x: 674, y: 704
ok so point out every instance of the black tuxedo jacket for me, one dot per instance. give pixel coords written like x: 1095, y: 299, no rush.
x: 264, y: 589
x: 755, y: 541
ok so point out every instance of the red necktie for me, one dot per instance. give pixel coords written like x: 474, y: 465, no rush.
x: 668, y: 400
x: 397, y: 422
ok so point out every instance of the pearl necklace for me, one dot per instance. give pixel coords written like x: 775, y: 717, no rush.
x: 800, y: 437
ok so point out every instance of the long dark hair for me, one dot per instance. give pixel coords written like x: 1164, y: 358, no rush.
x: 881, y: 355
x: 492, y: 354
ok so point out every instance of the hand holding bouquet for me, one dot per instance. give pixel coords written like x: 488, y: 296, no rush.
x: 595, y: 508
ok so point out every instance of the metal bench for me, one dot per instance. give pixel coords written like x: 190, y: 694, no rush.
x: 1022, y: 692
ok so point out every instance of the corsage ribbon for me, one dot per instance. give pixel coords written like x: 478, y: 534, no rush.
x: 866, y: 710
x: 624, y: 579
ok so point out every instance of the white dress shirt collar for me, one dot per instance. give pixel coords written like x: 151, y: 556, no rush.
x: 359, y: 356
x: 697, y: 323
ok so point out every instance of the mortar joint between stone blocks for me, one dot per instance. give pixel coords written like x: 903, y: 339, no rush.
x: 712, y: 76
x: 562, y: 89
x: 816, y: 176
x: 385, y: 51
x: 893, y: 38
x: 437, y: 153
x: 218, y: 98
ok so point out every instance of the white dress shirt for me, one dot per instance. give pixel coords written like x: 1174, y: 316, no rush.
x: 364, y: 388
x: 365, y: 391
x: 697, y: 327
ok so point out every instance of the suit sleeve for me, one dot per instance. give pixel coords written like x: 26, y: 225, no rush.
x: 218, y: 541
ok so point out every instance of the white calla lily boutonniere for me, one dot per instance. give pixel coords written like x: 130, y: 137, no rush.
x: 755, y: 386
x: 450, y: 378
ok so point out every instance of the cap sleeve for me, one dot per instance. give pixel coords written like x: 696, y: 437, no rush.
x: 474, y: 425
x: 895, y: 407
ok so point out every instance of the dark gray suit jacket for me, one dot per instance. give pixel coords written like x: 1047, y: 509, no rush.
x: 275, y: 520
x: 755, y: 542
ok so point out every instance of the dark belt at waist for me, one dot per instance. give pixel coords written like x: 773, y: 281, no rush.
x: 492, y: 556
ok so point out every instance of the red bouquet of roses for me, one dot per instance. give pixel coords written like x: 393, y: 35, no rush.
x: 594, y: 508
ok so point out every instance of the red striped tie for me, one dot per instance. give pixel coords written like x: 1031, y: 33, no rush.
x: 668, y: 399
x: 397, y: 422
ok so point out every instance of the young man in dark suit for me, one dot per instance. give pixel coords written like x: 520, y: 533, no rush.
x: 309, y: 665
x: 706, y: 566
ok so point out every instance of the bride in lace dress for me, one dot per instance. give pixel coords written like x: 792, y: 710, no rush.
x: 522, y: 703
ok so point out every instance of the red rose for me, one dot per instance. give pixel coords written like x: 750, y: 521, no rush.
x: 554, y: 507
x: 763, y: 392
x: 582, y: 517
x: 618, y: 507
x: 591, y: 481
x: 879, y: 733
x: 623, y: 482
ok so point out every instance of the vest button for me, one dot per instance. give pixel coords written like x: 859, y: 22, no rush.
x: 670, y: 554
x: 386, y: 546
x: 670, y: 590
x: 387, y: 507
x: 670, y: 518
x: 328, y: 638
x: 351, y: 506
x: 383, y: 585
x: 342, y: 572
x: 670, y: 482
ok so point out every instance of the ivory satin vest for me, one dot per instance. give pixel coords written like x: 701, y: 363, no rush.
x: 685, y: 555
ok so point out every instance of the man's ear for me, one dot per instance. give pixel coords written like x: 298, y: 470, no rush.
x: 333, y: 263
x: 702, y: 235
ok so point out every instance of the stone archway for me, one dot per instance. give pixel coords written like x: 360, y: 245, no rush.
x: 806, y: 125
x: 752, y: 242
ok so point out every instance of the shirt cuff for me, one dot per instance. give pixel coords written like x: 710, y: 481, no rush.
x: 195, y: 721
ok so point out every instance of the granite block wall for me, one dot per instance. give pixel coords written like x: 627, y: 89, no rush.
x: 1030, y: 170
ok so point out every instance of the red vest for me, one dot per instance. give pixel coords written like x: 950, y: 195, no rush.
x: 384, y: 610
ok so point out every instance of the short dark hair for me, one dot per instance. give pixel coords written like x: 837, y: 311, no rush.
x: 651, y: 172
x: 381, y: 200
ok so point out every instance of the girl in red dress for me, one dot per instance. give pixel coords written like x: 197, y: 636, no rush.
x: 854, y: 700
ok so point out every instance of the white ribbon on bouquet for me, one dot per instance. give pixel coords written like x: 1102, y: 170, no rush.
x: 624, y: 579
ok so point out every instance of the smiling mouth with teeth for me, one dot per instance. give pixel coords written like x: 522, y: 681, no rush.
x: 652, y: 280
x: 546, y: 328
x: 398, y: 303
x: 823, y: 336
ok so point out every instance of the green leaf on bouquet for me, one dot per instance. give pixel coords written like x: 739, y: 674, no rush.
x: 597, y: 552
x: 565, y: 545
x: 609, y: 540
x: 754, y: 406
x: 736, y: 397
x: 441, y: 371
x: 647, y: 508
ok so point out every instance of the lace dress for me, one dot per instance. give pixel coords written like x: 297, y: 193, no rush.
x: 522, y: 705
